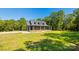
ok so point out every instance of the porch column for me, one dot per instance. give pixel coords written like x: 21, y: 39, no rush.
x: 40, y: 27
x: 50, y: 27
x: 33, y: 27
x: 28, y: 28
x: 44, y: 27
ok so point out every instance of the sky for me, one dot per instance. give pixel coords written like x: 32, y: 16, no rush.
x: 29, y: 13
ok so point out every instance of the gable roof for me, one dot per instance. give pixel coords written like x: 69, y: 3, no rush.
x: 36, y: 23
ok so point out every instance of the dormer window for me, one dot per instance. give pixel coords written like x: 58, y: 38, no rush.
x: 43, y: 23
x: 38, y: 23
x: 34, y: 22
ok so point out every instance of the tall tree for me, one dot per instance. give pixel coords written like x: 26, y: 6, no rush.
x: 60, y: 19
x: 22, y: 24
x: 2, y: 25
x: 76, y: 22
x: 57, y: 19
x: 53, y: 20
x: 47, y: 20
x: 9, y: 25
x: 68, y: 23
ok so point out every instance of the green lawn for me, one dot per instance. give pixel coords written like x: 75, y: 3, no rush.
x: 51, y: 40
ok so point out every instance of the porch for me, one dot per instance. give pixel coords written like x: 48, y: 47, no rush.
x: 38, y: 28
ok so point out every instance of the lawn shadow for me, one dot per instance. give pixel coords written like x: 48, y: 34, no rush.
x: 72, y: 37
x: 47, y: 45
x: 54, y: 45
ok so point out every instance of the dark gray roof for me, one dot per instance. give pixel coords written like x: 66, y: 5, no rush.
x: 36, y: 23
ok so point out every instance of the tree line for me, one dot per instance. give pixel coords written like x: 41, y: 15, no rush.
x: 13, y: 25
x: 61, y: 21
x: 57, y: 20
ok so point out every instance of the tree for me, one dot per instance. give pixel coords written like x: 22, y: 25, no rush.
x: 9, y: 25
x: 53, y: 20
x: 22, y: 24
x: 60, y: 19
x: 1, y: 25
x: 57, y: 19
x: 68, y: 23
x: 76, y: 22
x: 47, y: 20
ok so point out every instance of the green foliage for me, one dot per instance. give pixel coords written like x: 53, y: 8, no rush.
x: 76, y: 22
x: 55, y: 20
x: 11, y: 25
x: 2, y: 25
x: 22, y: 24
x: 59, y: 21
x: 68, y: 23
x: 47, y: 20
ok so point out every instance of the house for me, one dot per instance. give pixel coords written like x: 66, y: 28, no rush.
x: 37, y: 25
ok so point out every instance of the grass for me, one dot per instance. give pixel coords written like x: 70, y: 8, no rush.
x: 62, y: 40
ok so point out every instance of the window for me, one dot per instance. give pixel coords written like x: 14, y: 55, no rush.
x: 43, y: 23
x: 38, y: 23
x: 34, y: 22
